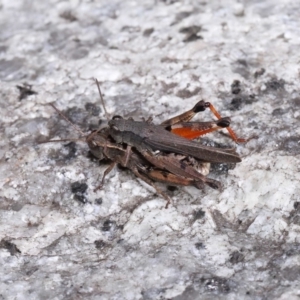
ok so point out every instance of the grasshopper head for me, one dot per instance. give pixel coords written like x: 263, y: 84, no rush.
x: 116, y: 128
x: 116, y: 123
x: 96, y: 142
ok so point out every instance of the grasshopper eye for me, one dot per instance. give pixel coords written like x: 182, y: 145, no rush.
x: 117, y: 117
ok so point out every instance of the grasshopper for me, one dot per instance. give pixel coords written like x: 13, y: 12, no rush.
x: 167, y: 168
x: 162, y: 152
x: 162, y: 148
x: 168, y: 147
x: 172, y: 136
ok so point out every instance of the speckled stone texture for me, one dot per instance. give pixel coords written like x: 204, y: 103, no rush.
x: 59, y: 239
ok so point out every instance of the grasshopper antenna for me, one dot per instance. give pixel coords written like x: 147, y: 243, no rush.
x: 101, y: 97
x: 62, y: 140
x: 73, y: 125
x: 66, y: 119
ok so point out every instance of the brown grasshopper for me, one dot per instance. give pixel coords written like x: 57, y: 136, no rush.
x: 167, y: 168
x: 156, y: 142
x: 154, y: 153
x: 162, y: 148
x: 174, y: 158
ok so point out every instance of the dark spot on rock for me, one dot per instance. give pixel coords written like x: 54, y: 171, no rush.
x: 259, y: 72
x: 58, y: 38
x: 75, y: 115
x: 99, y: 244
x: 79, y: 189
x: 108, y: 225
x: 250, y: 99
x: 192, y: 37
x: 64, y: 155
x: 191, y: 33
x: 25, y: 91
x: 81, y: 198
x: 241, y: 67
x: 68, y: 15
x: 190, y: 29
x: 236, y: 257
x: 180, y: 16
x: 294, y: 216
x: 199, y: 214
x: 242, y: 62
x: 17, y: 206
x: 296, y: 101
x: 296, y: 220
x: 278, y: 112
x: 12, y: 248
x: 78, y: 52
x: 296, y: 209
x: 99, y: 201
x: 168, y: 60
x: 167, y: 87
x: 199, y: 245
x: 291, y: 145
x: 236, y: 103
x: 93, y: 109
x: 72, y: 149
x: 188, y: 94
x: 148, y: 32
x: 236, y: 87
x: 3, y: 49
x: 275, y: 84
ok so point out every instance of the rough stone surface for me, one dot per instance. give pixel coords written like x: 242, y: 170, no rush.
x: 61, y: 240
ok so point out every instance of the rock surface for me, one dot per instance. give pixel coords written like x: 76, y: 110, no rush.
x: 61, y: 240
